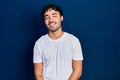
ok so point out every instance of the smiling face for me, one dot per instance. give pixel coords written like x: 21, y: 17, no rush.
x: 53, y: 20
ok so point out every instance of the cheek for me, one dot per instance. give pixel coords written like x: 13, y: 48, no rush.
x: 46, y: 22
x: 57, y: 20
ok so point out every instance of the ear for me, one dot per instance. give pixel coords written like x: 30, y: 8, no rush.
x: 61, y: 18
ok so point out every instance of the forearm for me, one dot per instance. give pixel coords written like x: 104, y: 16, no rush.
x: 75, y: 75
x: 39, y: 77
x: 38, y: 71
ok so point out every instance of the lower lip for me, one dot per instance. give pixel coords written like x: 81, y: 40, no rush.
x: 51, y: 26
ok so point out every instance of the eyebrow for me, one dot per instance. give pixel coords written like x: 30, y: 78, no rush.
x: 45, y: 15
x: 52, y: 14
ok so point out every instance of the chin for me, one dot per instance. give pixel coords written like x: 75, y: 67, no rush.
x: 52, y: 30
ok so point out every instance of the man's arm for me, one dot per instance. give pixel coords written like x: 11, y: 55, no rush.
x: 77, y: 70
x: 38, y: 68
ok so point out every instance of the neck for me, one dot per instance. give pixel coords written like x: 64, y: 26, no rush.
x: 56, y: 35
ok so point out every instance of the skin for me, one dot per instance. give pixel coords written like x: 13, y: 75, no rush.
x: 53, y: 21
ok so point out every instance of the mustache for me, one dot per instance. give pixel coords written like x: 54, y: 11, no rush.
x: 51, y: 22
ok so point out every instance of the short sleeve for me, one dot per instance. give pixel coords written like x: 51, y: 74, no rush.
x: 37, y: 54
x: 77, y: 50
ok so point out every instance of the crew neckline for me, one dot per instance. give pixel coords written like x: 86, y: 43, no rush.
x: 58, y: 38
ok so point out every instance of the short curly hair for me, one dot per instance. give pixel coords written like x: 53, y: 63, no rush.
x: 51, y: 6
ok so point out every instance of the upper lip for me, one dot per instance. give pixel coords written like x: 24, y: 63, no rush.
x: 51, y: 23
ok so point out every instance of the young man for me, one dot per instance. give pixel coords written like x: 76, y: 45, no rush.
x: 58, y: 54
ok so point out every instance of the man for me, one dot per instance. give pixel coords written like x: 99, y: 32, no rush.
x: 58, y: 54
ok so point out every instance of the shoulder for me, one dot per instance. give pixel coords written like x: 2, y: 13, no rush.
x: 41, y: 40
x: 71, y: 36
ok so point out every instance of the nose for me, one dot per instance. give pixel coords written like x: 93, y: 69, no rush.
x: 50, y: 19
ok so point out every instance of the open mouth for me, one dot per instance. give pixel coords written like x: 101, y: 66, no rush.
x: 52, y: 24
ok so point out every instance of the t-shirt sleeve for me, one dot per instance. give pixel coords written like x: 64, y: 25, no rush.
x: 77, y: 50
x: 37, y: 54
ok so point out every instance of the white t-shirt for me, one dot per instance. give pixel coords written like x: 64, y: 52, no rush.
x: 57, y: 55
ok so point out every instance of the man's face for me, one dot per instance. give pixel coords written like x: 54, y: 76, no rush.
x: 53, y: 20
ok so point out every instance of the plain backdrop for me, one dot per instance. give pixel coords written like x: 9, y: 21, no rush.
x: 95, y: 22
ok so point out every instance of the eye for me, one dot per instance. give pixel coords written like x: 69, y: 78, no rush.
x: 54, y: 16
x: 46, y: 17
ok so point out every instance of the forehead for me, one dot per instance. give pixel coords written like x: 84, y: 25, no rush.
x: 49, y: 11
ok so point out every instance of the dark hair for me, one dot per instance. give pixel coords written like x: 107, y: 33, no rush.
x: 51, y: 6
